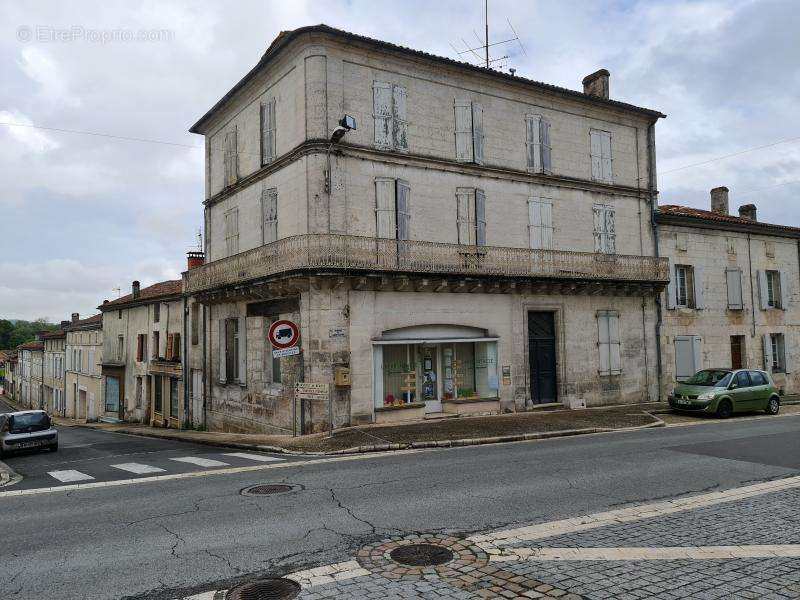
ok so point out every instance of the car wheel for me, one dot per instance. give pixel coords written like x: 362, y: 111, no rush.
x: 724, y: 409
x: 773, y: 406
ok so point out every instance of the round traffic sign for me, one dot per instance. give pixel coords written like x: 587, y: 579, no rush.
x: 283, y: 334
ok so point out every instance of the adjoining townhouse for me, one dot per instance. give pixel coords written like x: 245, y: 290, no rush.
x: 31, y: 357
x: 733, y: 299
x: 480, y: 243
x: 142, y: 372
x: 53, y: 399
x: 84, y: 355
x: 8, y: 363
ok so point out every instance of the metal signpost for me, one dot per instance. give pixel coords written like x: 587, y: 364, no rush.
x: 314, y: 391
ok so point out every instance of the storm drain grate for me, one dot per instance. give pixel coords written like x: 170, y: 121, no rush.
x: 267, y: 489
x: 266, y: 589
x: 421, y: 555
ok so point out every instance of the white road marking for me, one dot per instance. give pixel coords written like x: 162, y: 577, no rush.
x: 257, y: 457
x: 69, y: 475
x: 202, y: 462
x: 138, y: 468
x: 328, y: 573
x: 656, y: 553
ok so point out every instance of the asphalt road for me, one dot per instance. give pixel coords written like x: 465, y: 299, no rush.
x: 166, y: 538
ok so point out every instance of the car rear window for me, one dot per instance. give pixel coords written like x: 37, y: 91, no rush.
x: 758, y: 378
x: 29, y: 422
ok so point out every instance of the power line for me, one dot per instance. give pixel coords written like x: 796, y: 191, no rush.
x: 769, y: 187
x: 99, y: 134
x: 740, y: 152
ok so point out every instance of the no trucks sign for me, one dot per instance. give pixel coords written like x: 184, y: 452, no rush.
x: 284, y: 336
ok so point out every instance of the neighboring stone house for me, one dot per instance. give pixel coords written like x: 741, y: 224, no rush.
x: 479, y: 243
x: 31, y: 357
x: 141, y: 358
x: 53, y: 371
x: 10, y: 374
x: 734, y: 295
x: 84, y: 352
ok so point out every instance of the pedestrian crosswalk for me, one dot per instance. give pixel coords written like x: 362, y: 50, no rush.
x: 137, y: 468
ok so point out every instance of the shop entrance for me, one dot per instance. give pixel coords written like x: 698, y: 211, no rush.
x: 542, y: 357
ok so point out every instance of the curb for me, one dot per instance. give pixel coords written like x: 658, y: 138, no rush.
x: 8, y: 476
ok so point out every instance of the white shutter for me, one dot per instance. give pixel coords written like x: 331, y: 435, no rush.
x: 540, y: 223
x: 222, y: 353
x: 400, y: 122
x: 477, y: 132
x: 603, y: 342
x: 480, y: 218
x: 386, y: 225
x: 733, y: 279
x: 614, y: 344
x: 243, y: 350
x: 269, y: 211
x: 465, y: 212
x: 784, y: 289
x: 699, y: 299
x: 696, y: 354
x: 684, y: 357
x: 532, y: 142
x: 544, y: 136
x: 463, y: 130
x: 606, y: 157
x: 766, y: 344
x: 598, y: 221
x: 763, y: 294
x: 787, y: 366
x: 611, y: 231
x: 268, y: 127
x: 403, y: 210
x: 596, y: 152
x: 382, y: 112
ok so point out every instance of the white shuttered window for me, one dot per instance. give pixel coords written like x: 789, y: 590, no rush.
x: 393, y: 208
x: 268, y: 130
x: 269, y: 213
x: 608, y: 343
x: 471, y: 216
x: 232, y: 231
x: 605, y: 237
x: 540, y: 223
x: 469, y: 131
x: 600, y: 150
x: 537, y: 144
x: 389, y: 114
x: 231, y: 158
x: 733, y: 278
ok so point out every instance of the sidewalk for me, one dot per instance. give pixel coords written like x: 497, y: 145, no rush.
x: 463, y: 431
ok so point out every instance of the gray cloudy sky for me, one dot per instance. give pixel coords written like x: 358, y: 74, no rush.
x: 81, y: 214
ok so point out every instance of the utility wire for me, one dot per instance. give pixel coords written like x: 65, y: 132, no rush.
x: 740, y: 152
x: 98, y: 134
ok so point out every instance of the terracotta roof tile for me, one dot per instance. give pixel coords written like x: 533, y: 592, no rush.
x: 709, y: 216
x: 157, y: 290
x: 93, y: 320
x: 53, y: 335
x: 33, y: 345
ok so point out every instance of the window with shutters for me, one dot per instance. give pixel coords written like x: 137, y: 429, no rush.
x: 600, y: 151
x: 733, y: 278
x: 156, y: 344
x: 231, y: 158
x: 469, y: 131
x: 268, y: 129
x: 540, y: 223
x: 777, y: 353
x: 389, y: 114
x: 605, y: 236
x: 269, y: 215
x: 232, y: 349
x: 156, y: 312
x: 684, y: 286
x: 471, y: 216
x: 141, y: 347
x: 773, y: 279
x: 609, y: 343
x: 232, y: 231
x: 195, y: 326
x: 392, y: 209
x: 120, y: 351
x: 538, y: 144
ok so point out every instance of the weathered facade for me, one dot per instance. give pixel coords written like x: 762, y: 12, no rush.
x: 142, y: 370
x: 31, y: 357
x: 53, y: 398
x: 84, y: 356
x: 480, y: 243
x: 733, y: 299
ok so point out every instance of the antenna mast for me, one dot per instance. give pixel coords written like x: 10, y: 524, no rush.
x: 486, y: 20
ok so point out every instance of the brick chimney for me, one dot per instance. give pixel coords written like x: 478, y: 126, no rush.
x: 65, y: 324
x: 748, y: 211
x: 596, y: 84
x: 75, y: 317
x: 194, y: 259
x: 719, y: 200
x: 135, y: 289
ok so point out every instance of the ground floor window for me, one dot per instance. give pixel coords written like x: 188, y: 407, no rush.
x: 157, y: 395
x: 112, y: 394
x: 775, y: 352
x: 173, y: 397
x: 436, y: 371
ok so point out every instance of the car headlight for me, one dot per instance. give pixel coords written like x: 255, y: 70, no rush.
x: 707, y: 396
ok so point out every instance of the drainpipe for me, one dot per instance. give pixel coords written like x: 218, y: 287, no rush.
x: 205, y: 368
x: 752, y: 293
x: 651, y: 188
x: 184, y: 365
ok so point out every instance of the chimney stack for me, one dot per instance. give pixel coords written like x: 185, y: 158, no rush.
x: 719, y: 200
x: 194, y: 259
x: 596, y: 84
x: 75, y: 317
x: 65, y: 324
x: 748, y: 211
x: 135, y: 289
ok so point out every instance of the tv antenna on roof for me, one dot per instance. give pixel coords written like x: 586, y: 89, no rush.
x: 486, y: 60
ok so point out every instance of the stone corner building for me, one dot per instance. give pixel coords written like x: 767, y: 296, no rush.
x: 480, y: 243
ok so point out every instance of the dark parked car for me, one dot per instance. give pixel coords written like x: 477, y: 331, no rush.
x: 27, y: 429
x: 726, y: 391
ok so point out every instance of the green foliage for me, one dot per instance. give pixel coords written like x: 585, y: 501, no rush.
x: 14, y: 333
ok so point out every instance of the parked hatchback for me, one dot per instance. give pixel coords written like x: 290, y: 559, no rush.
x: 726, y: 391
x: 27, y: 429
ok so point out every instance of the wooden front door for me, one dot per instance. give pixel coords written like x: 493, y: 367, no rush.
x: 737, y: 351
x: 542, y: 357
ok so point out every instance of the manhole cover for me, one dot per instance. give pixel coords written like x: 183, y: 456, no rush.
x: 267, y: 489
x: 266, y: 589
x: 421, y: 555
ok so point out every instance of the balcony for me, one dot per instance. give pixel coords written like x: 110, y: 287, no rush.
x: 362, y: 255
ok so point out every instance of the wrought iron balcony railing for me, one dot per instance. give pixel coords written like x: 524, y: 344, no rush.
x: 363, y: 255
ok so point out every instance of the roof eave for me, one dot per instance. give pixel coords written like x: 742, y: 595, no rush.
x: 704, y: 223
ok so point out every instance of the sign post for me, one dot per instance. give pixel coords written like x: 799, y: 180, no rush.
x: 315, y: 391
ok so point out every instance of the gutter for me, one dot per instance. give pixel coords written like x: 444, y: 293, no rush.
x: 185, y: 365
x: 651, y: 185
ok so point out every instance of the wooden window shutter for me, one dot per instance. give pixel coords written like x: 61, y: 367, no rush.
x: 269, y: 211
x: 273, y: 130
x: 385, y: 209
x: 399, y: 119
x: 176, y: 347
x: 766, y: 344
x: 733, y: 280
x: 610, y: 230
x: 463, y: 130
x: 243, y: 350
x: 784, y: 283
x: 170, y: 340
x: 223, y: 342
x: 477, y: 132
x: 382, y: 113
x: 532, y: 142
x: 699, y: 279
x: 603, y: 338
x: 534, y: 224
x: 465, y: 215
x: 403, y: 210
x: 480, y: 218
x: 596, y: 153
x: 670, y: 292
x: 268, y: 129
x: 139, y: 348
x: 607, y: 175
x: 544, y: 136
x: 598, y: 221
x: 763, y: 292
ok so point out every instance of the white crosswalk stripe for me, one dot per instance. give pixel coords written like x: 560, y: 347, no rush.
x: 202, y: 462
x: 257, y: 457
x: 69, y: 475
x: 138, y: 468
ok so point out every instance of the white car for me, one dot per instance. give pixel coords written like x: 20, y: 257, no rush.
x: 25, y: 430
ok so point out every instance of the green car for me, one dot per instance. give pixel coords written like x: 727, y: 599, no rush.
x: 726, y: 391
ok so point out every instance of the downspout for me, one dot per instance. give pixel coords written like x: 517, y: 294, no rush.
x: 205, y: 369
x: 651, y: 188
x: 184, y: 365
x: 752, y: 293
